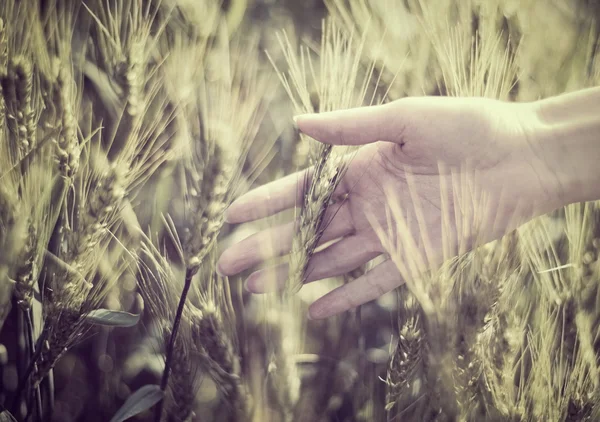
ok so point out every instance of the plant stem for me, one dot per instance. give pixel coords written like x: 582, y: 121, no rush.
x: 21, y: 362
x: 29, y: 328
x: 189, y: 274
x: 50, y: 390
x: 30, y: 368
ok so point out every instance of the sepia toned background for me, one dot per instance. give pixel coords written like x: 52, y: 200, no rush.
x: 127, y: 128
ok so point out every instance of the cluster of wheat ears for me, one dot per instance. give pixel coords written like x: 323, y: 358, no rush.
x: 126, y: 129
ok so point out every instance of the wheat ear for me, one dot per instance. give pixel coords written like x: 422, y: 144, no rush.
x: 338, y: 86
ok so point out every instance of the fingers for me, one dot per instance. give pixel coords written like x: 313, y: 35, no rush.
x: 342, y: 257
x: 346, y: 127
x: 355, y: 126
x: 338, y: 259
x: 269, y: 199
x: 381, y: 279
x: 277, y: 241
x: 274, y: 197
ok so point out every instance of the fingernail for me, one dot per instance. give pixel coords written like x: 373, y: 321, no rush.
x: 255, y: 282
x: 230, y: 212
x: 296, y: 118
x: 249, y: 284
x: 220, y: 270
x: 227, y: 217
x: 238, y: 209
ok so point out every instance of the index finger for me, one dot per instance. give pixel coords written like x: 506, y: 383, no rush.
x: 279, y: 195
x: 269, y: 199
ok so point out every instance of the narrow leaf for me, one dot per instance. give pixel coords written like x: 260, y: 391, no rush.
x: 561, y: 267
x: 143, y: 399
x: 110, y: 318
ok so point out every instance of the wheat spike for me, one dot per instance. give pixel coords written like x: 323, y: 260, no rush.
x: 231, y: 106
x: 338, y: 86
x: 210, y: 338
x: 185, y: 376
x: 96, y: 189
x: 406, y: 377
x: 68, y: 148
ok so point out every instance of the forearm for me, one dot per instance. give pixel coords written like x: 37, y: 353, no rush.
x: 569, y: 142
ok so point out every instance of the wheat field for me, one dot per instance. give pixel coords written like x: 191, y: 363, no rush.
x: 127, y: 127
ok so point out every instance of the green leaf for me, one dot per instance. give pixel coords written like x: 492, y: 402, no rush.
x: 6, y: 416
x: 142, y: 399
x: 112, y: 318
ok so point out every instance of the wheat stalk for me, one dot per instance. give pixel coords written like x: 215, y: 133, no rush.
x: 27, y: 157
x: 395, y: 41
x: 91, y: 215
x: 68, y: 149
x: 582, y: 227
x: 41, y: 215
x: 212, y: 340
x: 17, y: 86
x: 203, y: 344
x: 75, y: 156
x: 338, y: 86
x: 231, y: 109
x: 406, y: 377
x: 157, y: 275
x: 484, y: 69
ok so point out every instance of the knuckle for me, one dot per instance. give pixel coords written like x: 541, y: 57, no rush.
x: 391, y: 159
x: 371, y: 243
x: 375, y: 285
x: 338, y: 133
x: 349, y: 300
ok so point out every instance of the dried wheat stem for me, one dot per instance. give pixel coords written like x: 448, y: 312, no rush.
x: 158, y: 286
x: 28, y: 314
x: 172, y: 341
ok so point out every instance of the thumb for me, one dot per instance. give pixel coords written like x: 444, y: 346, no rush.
x: 356, y: 126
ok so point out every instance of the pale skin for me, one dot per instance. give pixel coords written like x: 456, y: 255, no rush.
x: 529, y: 158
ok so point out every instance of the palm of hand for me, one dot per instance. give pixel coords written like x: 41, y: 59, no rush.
x: 422, y: 132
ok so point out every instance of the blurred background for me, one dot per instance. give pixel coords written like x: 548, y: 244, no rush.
x: 129, y: 126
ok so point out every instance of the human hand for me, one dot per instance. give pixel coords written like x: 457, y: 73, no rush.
x: 412, y: 135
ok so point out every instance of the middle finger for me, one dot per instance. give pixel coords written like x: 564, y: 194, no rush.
x: 277, y: 241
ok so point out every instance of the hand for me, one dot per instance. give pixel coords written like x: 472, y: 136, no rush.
x: 497, y: 139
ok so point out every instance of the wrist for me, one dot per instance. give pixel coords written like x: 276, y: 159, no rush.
x: 567, y: 138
